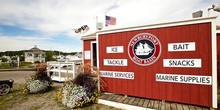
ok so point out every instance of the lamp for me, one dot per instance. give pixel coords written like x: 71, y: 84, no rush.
x: 215, y: 8
x: 99, y: 25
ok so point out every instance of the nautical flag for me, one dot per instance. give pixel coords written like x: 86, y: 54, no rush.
x: 82, y: 30
x: 110, y: 20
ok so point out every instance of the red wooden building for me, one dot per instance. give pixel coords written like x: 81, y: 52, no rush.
x: 175, y: 61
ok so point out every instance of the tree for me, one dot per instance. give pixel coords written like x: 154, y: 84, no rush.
x: 14, y: 58
x: 4, y: 59
x: 21, y: 58
x: 49, y: 56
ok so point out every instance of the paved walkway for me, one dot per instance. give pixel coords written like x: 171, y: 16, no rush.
x: 17, y: 76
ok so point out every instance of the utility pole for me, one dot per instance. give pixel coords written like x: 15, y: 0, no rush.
x: 18, y: 59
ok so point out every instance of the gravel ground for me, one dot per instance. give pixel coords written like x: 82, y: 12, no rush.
x: 17, y: 76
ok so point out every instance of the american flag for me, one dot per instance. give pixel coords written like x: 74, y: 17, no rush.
x: 110, y: 20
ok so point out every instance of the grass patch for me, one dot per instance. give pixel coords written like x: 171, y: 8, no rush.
x: 26, y: 63
x: 4, y: 65
x: 98, y: 107
x: 46, y: 101
x: 35, y: 107
x: 16, y: 95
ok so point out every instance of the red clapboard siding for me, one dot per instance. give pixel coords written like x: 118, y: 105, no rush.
x: 144, y: 83
x: 87, y: 47
x: 186, y: 89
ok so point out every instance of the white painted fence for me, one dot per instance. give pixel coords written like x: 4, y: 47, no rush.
x: 62, y: 71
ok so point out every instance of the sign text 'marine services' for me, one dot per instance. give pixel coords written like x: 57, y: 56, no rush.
x: 116, y: 74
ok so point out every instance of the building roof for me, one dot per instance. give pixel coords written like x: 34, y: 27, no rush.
x: 35, y: 49
x: 158, y: 25
x: 148, y: 26
x: 89, y: 36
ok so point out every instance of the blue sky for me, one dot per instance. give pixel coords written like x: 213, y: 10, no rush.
x: 49, y: 23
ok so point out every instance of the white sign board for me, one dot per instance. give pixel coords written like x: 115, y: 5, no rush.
x: 87, y: 55
x: 115, y: 49
x: 187, y: 46
x: 115, y: 62
x: 192, y: 63
x: 115, y: 74
x: 190, y: 79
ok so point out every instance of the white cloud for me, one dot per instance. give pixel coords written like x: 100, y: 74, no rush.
x: 56, y: 17
x: 9, y: 43
x: 50, y: 15
x: 63, y: 15
x: 132, y: 12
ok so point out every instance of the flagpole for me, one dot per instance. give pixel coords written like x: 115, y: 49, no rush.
x: 96, y: 23
x: 105, y: 20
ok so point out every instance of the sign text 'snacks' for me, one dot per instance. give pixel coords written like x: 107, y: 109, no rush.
x: 193, y: 63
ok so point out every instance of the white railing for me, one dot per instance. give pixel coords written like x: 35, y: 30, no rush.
x: 62, y: 71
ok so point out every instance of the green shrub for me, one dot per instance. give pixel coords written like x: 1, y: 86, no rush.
x: 4, y: 59
x: 4, y: 65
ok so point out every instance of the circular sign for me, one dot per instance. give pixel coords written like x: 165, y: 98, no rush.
x: 144, y: 49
